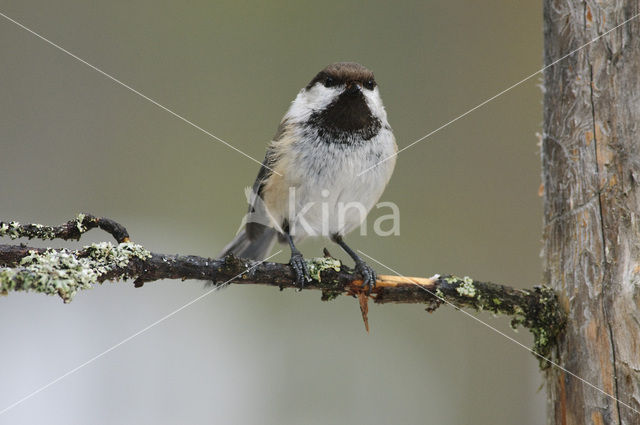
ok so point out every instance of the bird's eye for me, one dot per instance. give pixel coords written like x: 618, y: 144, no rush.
x: 369, y: 84
x: 329, y: 82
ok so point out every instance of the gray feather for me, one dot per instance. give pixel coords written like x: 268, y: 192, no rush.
x: 257, y: 249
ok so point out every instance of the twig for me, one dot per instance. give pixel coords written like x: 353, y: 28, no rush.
x: 72, y: 229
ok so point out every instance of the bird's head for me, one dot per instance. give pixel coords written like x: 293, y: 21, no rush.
x: 342, y: 103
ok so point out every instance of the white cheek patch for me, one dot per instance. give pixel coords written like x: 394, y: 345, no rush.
x: 374, y: 101
x: 311, y: 100
x: 318, y: 97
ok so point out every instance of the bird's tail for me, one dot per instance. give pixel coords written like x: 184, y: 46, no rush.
x: 257, y: 249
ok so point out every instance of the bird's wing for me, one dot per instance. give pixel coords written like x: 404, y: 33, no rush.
x: 258, y: 217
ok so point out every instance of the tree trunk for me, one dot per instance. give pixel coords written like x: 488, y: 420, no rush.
x: 591, y: 173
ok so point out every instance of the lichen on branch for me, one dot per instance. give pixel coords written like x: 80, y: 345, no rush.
x: 72, y: 229
x: 64, y: 272
x: 536, y: 309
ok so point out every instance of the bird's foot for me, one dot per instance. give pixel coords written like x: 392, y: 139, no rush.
x: 299, y: 267
x: 369, y: 275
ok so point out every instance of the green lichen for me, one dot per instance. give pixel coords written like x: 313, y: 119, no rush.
x: 317, y: 265
x: 466, y: 288
x: 452, y: 279
x: 79, y: 220
x: 544, y: 319
x: 541, y: 338
x: 330, y: 295
x: 11, y: 229
x: 536, y: 309
x: 547, y: 323
x: 64, y: 273
x: 15, y: 230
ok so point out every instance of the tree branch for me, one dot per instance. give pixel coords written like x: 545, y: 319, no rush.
x: 64, y: 272
x: 72, y: 229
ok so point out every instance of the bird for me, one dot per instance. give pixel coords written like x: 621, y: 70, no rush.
x: 326, y: 167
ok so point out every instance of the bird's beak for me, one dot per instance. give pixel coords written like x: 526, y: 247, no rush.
x: 352, y: 87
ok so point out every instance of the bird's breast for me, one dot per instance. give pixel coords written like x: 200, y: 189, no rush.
x: 324, y: 184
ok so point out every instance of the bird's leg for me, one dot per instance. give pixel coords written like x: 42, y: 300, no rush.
x: 369, y: 276
x: 297, y: 263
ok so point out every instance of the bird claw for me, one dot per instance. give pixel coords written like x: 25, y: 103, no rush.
x: 299, y: 268
x: 369, y: 275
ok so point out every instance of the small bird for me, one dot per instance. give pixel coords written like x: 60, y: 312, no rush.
x: 311, y: 182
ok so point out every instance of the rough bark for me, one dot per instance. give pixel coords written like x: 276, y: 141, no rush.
x: 591, y: 172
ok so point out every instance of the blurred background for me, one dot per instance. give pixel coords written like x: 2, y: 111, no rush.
x: 72, y: 140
